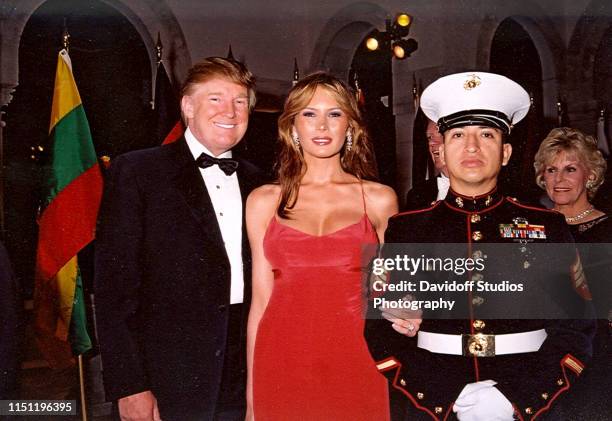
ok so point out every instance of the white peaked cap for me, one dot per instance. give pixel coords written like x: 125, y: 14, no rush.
x: 475, y: 98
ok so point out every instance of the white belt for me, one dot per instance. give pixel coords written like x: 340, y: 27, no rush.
x: 482, y: 345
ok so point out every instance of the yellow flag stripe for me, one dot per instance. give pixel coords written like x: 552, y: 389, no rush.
x: 66, y: 284
x: 65, y: 94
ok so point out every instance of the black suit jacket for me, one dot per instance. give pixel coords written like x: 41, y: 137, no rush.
x: 162, y: 281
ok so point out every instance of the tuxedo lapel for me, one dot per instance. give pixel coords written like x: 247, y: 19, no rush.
x: 190, y: 184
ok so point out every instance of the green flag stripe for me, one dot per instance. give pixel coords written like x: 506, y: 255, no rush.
x: 72, y: 152
x: 78, y: 337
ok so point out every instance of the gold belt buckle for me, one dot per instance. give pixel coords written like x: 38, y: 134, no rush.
x: 478, y: 345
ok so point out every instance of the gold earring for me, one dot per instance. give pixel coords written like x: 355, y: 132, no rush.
x: 349, y: 140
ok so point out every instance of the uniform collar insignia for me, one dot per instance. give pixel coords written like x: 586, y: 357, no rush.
x: 473, y: 204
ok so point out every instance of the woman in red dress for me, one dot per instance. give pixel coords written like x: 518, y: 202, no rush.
x: 307, y: 357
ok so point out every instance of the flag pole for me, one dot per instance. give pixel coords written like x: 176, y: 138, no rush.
x: 602, y: 139
x: 66, y: 46
x: 415, y: 94
x: 296, y: 72
x: 65, y: 37
x: 167, y: 118
x: 560, y: 113
x: 159, y: 48
x: 82, y: 388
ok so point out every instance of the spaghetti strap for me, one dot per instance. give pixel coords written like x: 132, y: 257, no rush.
x: 363, y: 197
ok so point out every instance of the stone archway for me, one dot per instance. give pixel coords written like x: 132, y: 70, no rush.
x: 548, y: 44
x: 336, y: 46
x: 149, y: 17
x: 585, y: 86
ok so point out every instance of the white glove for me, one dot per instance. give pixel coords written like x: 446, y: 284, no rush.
x: 482, y: 401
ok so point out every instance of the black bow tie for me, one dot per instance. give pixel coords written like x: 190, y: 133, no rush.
x: 227, y: 165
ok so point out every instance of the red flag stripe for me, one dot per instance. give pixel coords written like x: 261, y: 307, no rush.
x: 68, y: 223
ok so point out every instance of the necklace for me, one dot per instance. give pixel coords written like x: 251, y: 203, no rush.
x: 581, y: 215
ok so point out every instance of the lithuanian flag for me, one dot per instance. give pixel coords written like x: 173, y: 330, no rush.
x: 66, y: 224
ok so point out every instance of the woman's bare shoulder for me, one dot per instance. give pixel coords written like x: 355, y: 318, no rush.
x: 264, y: 198
x: 266, y: 191
x: 379, y: 192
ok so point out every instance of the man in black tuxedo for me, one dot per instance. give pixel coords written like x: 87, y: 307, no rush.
x: 423, y: 194
x: 173, y: 263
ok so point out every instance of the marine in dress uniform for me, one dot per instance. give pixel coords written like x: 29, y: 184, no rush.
x: 474, y: 367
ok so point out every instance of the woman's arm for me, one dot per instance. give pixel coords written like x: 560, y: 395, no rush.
x: 381, y: 203
x: 260, y: 209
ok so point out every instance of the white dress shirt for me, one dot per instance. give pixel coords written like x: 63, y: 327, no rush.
x: 224, y: 193
x: 443, y: 185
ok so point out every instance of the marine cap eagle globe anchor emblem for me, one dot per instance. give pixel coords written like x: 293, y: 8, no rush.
x: 472, y: 82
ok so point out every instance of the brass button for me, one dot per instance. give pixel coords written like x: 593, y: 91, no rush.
x: 477, y: 300
x: 529, y: 410
x: 560, y: 382
x: 477, y: 254
x: 478, y: 324
x: 477, y: 236
x: 438, y: 409
x: 544, y: 395
x: 477, y: 277
x: 475, y: 218
x: 403, y: 382
x: 420, y: 395
x: 459, y: 202
x: 489, y: 200
x: 526, y: 264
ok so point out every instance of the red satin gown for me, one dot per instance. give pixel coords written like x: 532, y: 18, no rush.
x: 311, y: 360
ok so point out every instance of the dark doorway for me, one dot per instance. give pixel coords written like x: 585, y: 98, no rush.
x: 602, y: 78
x: 514, y: 55
x: 112, y: 72
x: 373, y: 70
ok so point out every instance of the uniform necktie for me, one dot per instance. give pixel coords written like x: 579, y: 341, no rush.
x: 227, y: 165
